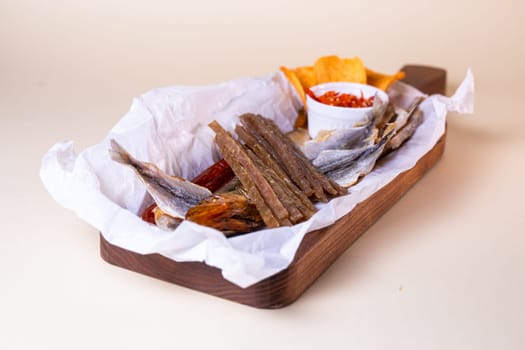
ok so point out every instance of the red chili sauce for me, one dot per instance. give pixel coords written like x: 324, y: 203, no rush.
x: 340, y: 99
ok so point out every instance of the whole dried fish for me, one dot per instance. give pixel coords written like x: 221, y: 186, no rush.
x: 173, y: 195
x: 348, y: 174
x: 335, y: 158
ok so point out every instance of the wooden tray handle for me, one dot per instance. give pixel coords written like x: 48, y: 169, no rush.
x: 430, y: 80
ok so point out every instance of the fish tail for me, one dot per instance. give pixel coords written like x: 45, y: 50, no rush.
x: 118, y: 153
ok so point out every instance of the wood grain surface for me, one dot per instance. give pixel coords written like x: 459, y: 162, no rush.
x: 318, y: 250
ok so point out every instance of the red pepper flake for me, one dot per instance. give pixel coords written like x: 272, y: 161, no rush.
x: 340, y: 99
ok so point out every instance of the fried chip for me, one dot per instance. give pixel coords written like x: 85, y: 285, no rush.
x: 382, y: 81
x: 292, y: 78
x: 332, y: 68
x: 306, y: 76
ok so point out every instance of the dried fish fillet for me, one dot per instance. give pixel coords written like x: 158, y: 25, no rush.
x: 230, y: 213
x: 331, y: 159
x: 348, y: 175
x: 338, y: 139
x: 173, y: 194
x: 406, y: 132
x: 165, y: 221
x: 402, y: 116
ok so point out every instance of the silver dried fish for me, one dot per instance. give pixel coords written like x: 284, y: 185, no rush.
x: 173, y: 195
x: 334, y: 158
x: 348, y: 174
x: 405, y: 132
x: 338, y: 139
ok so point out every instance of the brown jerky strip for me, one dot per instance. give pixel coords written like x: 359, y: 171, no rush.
x: 252, y: 193
x: 289, y: 203
x: 255, y: 197
x: 236, y: 156
x: 305, y: 206
x: 258, y: 139
x: 285, y: 150
x: 299, y: 164
x: 276, y: 148
x: 259, y: 147
x: 328, y: 185
x: 252, y: 178
x: 280, y: 151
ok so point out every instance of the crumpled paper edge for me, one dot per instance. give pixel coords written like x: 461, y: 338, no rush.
x: 247, y: 259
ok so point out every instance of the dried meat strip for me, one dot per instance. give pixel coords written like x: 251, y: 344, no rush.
x: 250, y: 175
x: 328, y: 185
x: 259, y: 145
x: 297, y: 165
x: 252, y: 192
x: 289, y: 202
x: 280, y: 151
x: 267, y: 159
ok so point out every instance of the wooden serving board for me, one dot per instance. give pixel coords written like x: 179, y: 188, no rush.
x: 318, y: 250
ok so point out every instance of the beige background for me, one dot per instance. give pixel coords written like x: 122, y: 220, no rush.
x: 444, y: 269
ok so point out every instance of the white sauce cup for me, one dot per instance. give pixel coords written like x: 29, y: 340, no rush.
x: 325, y: 117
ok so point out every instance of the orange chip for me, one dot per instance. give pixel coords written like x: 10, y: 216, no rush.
x: 306, y: 76
x: 382, y: 81
x: 354, y: 71
x: 332, y: 68
x: 292, y: 78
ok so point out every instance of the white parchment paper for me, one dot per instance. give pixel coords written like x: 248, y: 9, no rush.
x: 168, y: 127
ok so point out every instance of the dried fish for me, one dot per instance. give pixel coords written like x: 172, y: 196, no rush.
x: 349, y: 174
x: 336, y: 158
x: 402, y: 116
x: 165, y: 221
x: 405, y: 132
x: 299, y: 136
x: 230, y: 213
x: 337, y: 139
x: 173, y: 194
x: 379, y: 108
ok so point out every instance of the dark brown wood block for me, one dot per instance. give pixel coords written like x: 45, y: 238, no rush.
x: 430, y: 80
x: 316, y: 253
